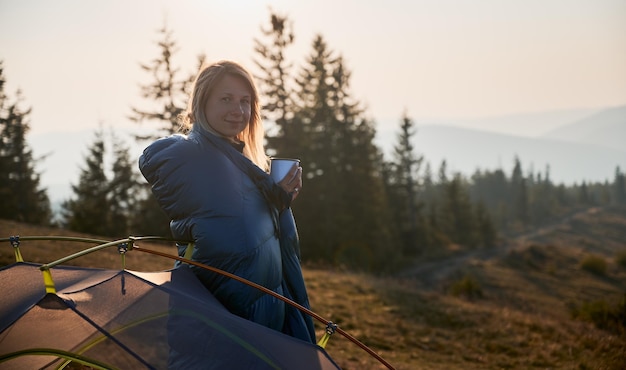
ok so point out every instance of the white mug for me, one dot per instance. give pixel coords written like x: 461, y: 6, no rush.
x: 279, y: 167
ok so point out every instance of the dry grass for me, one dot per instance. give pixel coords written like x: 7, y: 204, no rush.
x: 521, y: 320
x: 511, y: 327
x: 50, y: 251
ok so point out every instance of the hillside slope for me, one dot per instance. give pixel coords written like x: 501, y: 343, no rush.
x: 510, y: 308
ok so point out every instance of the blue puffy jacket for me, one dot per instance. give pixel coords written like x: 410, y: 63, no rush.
x: 240, y: 221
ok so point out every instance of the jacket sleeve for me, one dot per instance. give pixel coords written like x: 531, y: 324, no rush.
x: 165, y: 164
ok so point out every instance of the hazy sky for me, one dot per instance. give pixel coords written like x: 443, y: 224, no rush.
x: 77, y: 61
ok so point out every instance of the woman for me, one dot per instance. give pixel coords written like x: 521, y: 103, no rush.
x: 213, y: 184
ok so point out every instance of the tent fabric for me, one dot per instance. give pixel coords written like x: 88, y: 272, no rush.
x: 128, y: 319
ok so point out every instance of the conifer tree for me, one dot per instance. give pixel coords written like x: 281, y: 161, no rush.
x: 541, y: 199
x: 427, y: 182
x: 123, y: 187
x: 486, y: 232
x: 519, y: 195
x: 431, y: 200
x: 166, y: 94
x: 88, y: 210
x: 457, y: 214
x: 605, y: 193
x: 443, y: 173
x: 404, y: 189
x: 343, y: 210
x: 22, y: 197
x: 584, y: 198
x: 275, y: 86
x: 619, y: 187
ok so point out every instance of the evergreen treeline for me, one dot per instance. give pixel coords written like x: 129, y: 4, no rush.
x: 105, y: 199
x: 358, y: 209
x: 22, y: 197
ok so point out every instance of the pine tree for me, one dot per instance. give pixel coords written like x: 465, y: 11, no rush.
x: 343, y: 214
x: 322, y: 193
x: 605, y: 193
x: 404, y: 189
x: 443, y: 173
x: 456, y: 217
x: 519, y: 195
x: 88, y: 210
x: 167, y: 92
x: 427, y: 182
x: 491, y: 189
x: 541, y: 199
x: 274, y: 86
x: 22, y: 198
x: 584, y: 198
x: 487, y: 233
x: 123, y: 187
x: 149, y: 218
x: 435, y: 238
x: 619, y: 187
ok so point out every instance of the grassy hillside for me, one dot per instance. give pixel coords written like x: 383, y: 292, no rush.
x: 542, y: 301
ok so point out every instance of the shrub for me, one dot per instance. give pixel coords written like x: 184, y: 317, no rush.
x: 603, y: 315
x: 594, y: 264
x: 620, y: 258
x: 467, y: 287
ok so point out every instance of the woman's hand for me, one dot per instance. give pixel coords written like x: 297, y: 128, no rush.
x: 292, y: 182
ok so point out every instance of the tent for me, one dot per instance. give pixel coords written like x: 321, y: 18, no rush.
x: 54, y: 317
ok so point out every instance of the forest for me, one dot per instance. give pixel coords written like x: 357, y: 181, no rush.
x: 359, y: 210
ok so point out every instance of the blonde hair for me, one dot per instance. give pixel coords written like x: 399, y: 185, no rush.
x: 253, y: 134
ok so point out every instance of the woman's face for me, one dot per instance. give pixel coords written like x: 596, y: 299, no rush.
x: 229, y: 105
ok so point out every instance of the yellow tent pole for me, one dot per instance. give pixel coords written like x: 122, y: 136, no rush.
x: 48, y: 282
x: 15, y: 242
x: 331, y: 327
x: 122, y: 249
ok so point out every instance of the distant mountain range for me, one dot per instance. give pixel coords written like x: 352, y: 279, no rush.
x: 606, y: 128
x: 587, y: 148
x: 467, y: 150
x: 535, y: 124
